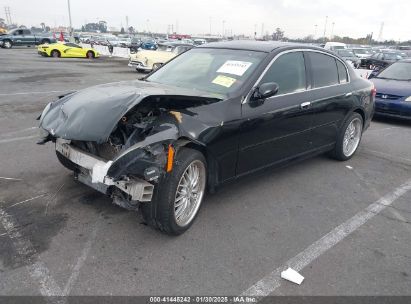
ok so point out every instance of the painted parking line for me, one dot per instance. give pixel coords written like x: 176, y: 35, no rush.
x: 272, y: 281
x: 37, y: 269
x: 4, y: 141
x: 18, y: 131
x: 30, y: 93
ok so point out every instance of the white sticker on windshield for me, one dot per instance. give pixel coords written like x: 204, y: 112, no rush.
x: 234, y: 67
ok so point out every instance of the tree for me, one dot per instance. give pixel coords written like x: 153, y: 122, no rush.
x: 83, y: 28
x: 122, y: 30
x: 102, y: 26
x: 131, y: 30
x: 278, y: 34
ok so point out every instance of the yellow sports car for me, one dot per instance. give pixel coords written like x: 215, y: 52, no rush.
x: 68, y: 50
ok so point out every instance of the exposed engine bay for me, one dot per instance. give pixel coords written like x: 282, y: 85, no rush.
x: 141, y: 121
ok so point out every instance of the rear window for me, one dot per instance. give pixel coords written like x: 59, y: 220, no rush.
x: 324, y: 69
x: 342, y: 72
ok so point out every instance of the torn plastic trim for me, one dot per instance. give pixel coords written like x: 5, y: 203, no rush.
x: 137, y: 189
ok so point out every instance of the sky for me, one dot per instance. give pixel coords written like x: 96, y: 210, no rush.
x: 354, y: 18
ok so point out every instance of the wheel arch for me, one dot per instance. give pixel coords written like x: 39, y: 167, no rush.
x: 362, y: 113
x: 212, y: 164
x: 55, y: 50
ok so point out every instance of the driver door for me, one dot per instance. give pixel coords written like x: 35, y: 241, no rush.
x: 277, y: 128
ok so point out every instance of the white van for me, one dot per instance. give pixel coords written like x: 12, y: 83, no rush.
x: 335, y: 46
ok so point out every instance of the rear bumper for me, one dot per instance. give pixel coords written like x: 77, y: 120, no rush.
x: 398, y: 109
x: 93, y: 173
x: 42, y: 53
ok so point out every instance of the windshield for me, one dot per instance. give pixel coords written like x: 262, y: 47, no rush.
x: 346, y: 53
x: 338, y: 47
x: 218, y: 71
x: 392, y: 56
x: 362, y: 51
x: 397, y: 71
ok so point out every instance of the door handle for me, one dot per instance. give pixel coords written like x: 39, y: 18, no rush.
x: 305, y: 105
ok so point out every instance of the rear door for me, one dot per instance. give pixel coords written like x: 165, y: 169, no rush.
x: 279, y: 127
x: 331, y: 96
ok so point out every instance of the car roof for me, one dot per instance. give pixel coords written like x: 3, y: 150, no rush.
x: 258, y: 46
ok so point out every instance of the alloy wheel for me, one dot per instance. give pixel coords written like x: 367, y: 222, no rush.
x: 190, y: 192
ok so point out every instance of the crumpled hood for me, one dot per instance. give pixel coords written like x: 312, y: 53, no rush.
x: 92, y: 114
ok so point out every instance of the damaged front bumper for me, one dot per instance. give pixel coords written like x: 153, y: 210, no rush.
x: 93, y: 173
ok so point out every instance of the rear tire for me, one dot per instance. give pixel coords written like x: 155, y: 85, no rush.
x: 90, y: 55
x: 45, y: 41
x: 175, y: 206
x: 349, y: 138
x: 55, y: 54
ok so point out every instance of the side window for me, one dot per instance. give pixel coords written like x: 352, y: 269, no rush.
x: 342, y: 72
x: 288, y: 71
x: 26, y: 32
x: 324, y: 70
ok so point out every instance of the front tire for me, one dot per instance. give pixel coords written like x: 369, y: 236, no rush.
x: 179, y: 194
x: 7, y: 44
x: 349, y: 138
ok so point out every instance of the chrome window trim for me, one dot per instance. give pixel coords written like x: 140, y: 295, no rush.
x: 247, y: 98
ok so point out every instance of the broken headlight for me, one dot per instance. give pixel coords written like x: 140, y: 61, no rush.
x: 46, y: 109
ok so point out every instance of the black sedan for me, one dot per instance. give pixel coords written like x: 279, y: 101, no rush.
x: 380, y: 60
x: 207, y: 117
x: 393, y: 98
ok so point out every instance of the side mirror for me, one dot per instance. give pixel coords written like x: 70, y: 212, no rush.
x: 265, y: 90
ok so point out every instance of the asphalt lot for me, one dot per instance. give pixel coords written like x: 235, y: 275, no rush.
x: 60, y: 237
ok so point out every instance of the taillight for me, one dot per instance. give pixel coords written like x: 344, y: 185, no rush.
x: 373, y: 91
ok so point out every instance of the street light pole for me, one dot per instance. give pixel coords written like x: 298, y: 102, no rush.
x: 223, y: 34
x: 332, y: 31
x: 71, y: 27
x: 325, y: 26
x: 315, y: 31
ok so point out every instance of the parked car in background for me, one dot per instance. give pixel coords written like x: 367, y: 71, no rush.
x: 362, y: 52
x: 333, y: 46
x: 393, y: 98
x: 66, y: 36
x: 349, y: 56
x: 148, y: 60
x: 24, y: 37
x: 406, y: 49
x: 199, y: 41
x: 209, y: 116
x: 135, y: 44
x: 380, y: 60
x: 148, y: 44
x: 66, y: 50
x: 85, y: 38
